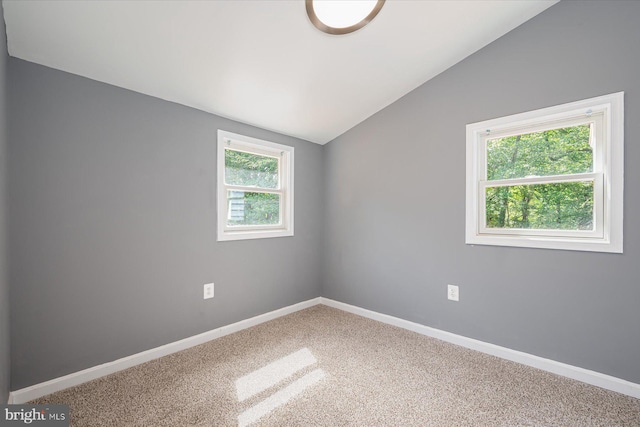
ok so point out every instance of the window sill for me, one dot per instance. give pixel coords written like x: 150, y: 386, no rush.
x: 543, y: 242
x: 248, y: 235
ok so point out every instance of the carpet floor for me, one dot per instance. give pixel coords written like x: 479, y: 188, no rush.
x: 325, y: 367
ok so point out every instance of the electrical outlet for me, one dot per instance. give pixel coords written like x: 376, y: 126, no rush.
x: 453, y: 293
x: 208, y: 291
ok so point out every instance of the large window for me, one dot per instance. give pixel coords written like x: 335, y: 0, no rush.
x: 550, y: 178
x: 255, y: 188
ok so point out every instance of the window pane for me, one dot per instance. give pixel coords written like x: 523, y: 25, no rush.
x: 552, y: 152
x: 557, y: 206
x: 248, y: 208
x: 250, y: 169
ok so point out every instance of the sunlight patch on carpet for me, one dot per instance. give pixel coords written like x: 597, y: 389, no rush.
x: 279, y: 398
x: 270, y: 375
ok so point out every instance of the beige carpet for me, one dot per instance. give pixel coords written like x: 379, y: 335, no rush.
x: 325, y: 367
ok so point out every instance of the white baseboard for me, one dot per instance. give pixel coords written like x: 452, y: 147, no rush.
x: 42, y: 389
x: 590, y: 377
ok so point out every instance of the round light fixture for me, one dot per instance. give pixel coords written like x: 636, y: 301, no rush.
x: 342, y: 16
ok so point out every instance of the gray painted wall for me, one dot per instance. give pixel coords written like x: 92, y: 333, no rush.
x: 113, y: 213
x: 4, y: 274
x: 395, y: 188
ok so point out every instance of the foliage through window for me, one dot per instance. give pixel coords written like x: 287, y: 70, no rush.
x: 562, y: 205
x: 548, y: 178
x: 255, y: 188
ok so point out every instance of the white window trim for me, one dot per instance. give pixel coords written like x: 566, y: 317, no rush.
x: 609, y: 174
x: 253, y: 145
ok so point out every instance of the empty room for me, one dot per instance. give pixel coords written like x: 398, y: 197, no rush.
x: 319, y: 213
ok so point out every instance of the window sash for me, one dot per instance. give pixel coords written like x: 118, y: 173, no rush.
x: 260, y: 152
x: 596, y: 141
x: 249, y: 189
x: 575, y: 119
x: 598, y: 206
x: 242, y: 227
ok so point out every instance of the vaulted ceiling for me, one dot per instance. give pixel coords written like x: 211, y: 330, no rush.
x: 260, y: 62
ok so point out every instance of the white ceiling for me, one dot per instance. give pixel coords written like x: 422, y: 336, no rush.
x: 260, y: 62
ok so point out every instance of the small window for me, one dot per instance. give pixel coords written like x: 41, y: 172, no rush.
x: 550, y: 178
x: 255, y: 188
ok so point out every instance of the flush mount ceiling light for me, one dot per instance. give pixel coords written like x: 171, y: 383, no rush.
x: 342, y: 16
